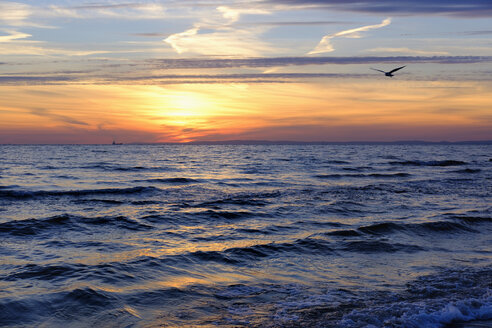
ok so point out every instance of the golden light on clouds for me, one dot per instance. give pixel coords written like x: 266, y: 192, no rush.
x: 175, y: 71
x: 187, y: 112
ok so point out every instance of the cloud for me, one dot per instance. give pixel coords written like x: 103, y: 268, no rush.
x: 409, y: 51
x: 147, y: 67
x: 233, y: 14
x: 298, y: 23
x: 219, y: 42
x: 13, y: 35
x: 34, y: 48
x: 43, y: 112
x: 104, y: 6
x: 151, y: 34
x: 76, y: 134
x: 213, y: 36
x: 262, y: 62
x: 122, y: 10
x: 34, y: 80
x: 108, y: 73
x: 325, y: 43
x: 181, y: 41
x: 20, y: 14
x: 76, y: 78
x: 483, y: 32
x: 458, y: 8
x: 14, y: 13
x: 350, y: 132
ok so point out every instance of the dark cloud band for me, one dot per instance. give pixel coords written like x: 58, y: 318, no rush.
x: 301, y: 61
x: 146, y: 77
x: 473, y: 8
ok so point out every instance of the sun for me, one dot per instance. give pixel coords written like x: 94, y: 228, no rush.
x: 187, y: 103
x: 185, y: 108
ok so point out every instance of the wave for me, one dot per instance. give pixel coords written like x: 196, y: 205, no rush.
x: 429, y: 163
x: 446, y: 298
x: 336, y: 162
x: 269, y: 230
x: 97, y: 245
x: 32, y: 227
x: 8, y: 187
x: 201, y: 217
x: 232, y: 256
x: 114, y: 273
x: 226, y: 215
x: 345, y: 208
x: 120, y: 168
x: 438, y: 300
x: 360, y: 175
x: 22, y: 194
x: 170, y: 180
x: 46, y: 272
x: 419, y: 228
x: 249, y: 199
x: 472, y: 220
x: 239, y: 255
x: 358, y: 169
x: 80, y: 307
x: 309, y: 245
x: 102, y: 201
x: 468, y: 171
x: 369, y: 189
x: 344, y: 233
x: 459, y: 224
x: 363, y: 246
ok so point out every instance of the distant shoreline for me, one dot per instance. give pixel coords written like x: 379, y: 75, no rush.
x: 285, y: 142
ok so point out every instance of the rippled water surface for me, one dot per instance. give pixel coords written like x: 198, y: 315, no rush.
x: 245, y: 236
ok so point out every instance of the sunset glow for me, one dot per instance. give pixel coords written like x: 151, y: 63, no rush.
x: 277, y: 70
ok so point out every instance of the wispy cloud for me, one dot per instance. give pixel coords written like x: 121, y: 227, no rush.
x: 13, y: 35
x: 409, y: 51
x: 135, y: 10
x: 298, y: 23
x: 458, y: 8
x: 181, y: 41
x: 222, y: 42
x: 263, y: 62
x: 43, y: 112
x: 36, y: 48
x: 14, y: 13
x: 147, y: 69
x: 20, y: 14
x: 150, y: 79
x: 151, y: 34
x: 325, y: 44
x: 216, y: 36
x: 483, y: 32
x: 233, y: 14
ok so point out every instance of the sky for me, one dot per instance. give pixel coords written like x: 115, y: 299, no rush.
x: 204, y: 70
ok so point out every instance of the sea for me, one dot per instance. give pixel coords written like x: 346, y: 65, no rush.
x: 305, y: 235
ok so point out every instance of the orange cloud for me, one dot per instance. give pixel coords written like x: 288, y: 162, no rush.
x: 351, y: 109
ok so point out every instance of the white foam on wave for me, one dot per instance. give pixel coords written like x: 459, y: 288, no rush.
x: 422, y: 314
x: 459, y: 311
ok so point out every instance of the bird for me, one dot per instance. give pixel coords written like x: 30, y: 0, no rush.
x: 390, y: 73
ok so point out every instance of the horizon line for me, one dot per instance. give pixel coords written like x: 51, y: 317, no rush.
x: 274, y: 142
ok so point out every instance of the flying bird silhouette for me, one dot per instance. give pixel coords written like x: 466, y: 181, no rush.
x: 390, y: 73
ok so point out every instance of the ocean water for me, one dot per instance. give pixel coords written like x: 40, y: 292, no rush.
x: 245, y: 235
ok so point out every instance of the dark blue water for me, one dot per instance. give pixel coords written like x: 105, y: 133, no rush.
x: 245, y: 236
